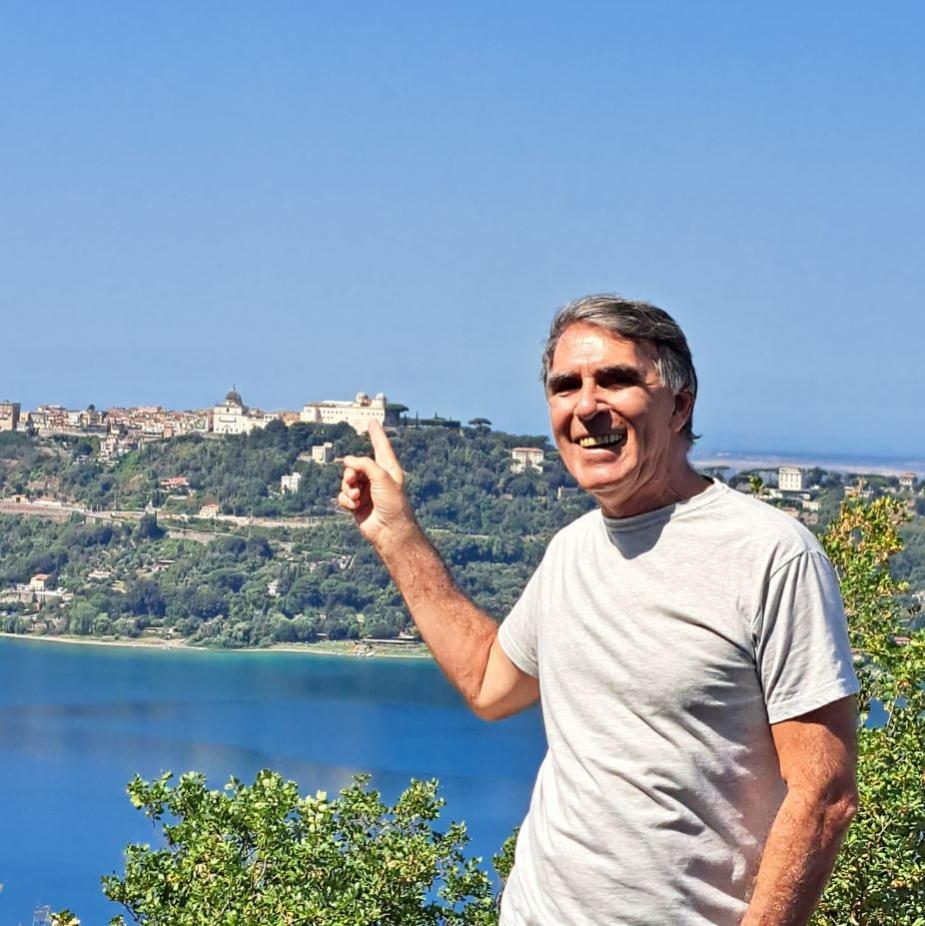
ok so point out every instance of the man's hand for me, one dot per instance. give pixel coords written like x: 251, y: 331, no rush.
x: 371, y: 490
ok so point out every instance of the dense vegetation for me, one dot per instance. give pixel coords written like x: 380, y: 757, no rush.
x: 880, y: 874
x: 227, y: 583
x: 261, y: 854
x: 136, y: 558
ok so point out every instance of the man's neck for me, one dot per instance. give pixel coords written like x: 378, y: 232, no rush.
x: 681, y: 484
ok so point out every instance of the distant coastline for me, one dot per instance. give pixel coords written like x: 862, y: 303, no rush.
x: 352, y: 649
x: 738, y: 460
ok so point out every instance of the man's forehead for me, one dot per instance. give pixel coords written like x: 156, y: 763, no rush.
x: 582, y: 343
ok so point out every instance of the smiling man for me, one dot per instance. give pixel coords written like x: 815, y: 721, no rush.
x: 689, y: 645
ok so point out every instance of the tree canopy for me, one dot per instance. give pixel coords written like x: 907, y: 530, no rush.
x: 260, y: 854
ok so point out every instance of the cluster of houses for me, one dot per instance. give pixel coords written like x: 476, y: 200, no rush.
x: 788, y: 487
x: 121, y: 430
x: 35, y: 590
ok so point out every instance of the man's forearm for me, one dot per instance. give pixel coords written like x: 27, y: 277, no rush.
x: 458, y: 633
x: 798, y: 858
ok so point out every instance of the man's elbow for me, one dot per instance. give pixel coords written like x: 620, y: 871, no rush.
x: 839, y: 806
x: 831, y: 805
x: 489, y: 712
x: 843, y: 807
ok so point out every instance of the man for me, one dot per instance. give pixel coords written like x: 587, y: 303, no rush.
x: 689, y: 645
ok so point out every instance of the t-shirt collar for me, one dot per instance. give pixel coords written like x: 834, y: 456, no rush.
x: 662, y: 515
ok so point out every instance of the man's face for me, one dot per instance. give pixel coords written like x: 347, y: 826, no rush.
x: 615, y: 423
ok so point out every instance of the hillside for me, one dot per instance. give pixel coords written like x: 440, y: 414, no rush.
x: 266, y: 567
x: 193, y: 538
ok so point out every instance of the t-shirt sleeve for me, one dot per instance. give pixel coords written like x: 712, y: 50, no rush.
x: 802, y: 649
x: 517, y: 634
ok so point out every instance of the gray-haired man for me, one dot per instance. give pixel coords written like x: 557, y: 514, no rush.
x: 689, y: 645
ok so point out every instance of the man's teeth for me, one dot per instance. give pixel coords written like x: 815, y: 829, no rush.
x: 602, y: 440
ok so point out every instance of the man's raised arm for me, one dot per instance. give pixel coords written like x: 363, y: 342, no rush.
x: 462, y: 638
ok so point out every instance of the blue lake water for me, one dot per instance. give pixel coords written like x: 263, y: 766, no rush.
x: 76, y: 722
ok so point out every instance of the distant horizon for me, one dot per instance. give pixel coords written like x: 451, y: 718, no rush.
x: 872, y: 464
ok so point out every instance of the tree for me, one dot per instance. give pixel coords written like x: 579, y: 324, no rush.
x: 480, y: 424
x: 148, y: 528
x: 880, y: 874
x: 262, y: 854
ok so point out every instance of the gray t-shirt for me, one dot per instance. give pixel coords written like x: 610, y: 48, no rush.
x: 665, y: 644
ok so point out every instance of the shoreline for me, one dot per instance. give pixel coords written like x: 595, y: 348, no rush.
x: 845, y: 466
x: 351, y: 650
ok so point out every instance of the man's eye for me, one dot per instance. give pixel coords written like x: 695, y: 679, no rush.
x: 617, y: 381
x: 564, y: 386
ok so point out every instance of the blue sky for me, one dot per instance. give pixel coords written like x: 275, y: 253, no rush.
x: 309, y: 200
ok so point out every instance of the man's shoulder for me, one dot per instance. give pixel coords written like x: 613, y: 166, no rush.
x: 741, y: 515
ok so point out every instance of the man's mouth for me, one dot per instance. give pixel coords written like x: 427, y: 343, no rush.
x: 610, y: 439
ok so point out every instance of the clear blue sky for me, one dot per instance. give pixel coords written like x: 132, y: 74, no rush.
x: 310, y: 199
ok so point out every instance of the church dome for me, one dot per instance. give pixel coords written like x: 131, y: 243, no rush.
x: 234, y: 397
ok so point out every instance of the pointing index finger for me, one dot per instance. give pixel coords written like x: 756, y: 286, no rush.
x: 382, y: 450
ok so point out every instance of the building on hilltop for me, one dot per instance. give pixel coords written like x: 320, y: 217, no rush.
x: 288, y: 418
x: 50, y: 418
x: 9, y: 416
x: 906, y: 481
x: 527, y: 457
x: 357, y: 413
x: 790, y: 479
x: 91, y: 421
x: 232, y: 416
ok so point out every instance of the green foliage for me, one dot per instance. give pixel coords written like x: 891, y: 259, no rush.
x: 879, y: 877
x: 148, y: 528
x: 262, y: 854
x: 290, y: 583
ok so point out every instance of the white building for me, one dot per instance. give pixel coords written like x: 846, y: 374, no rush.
x: 523, y: 457
x: 232, y: 416
x: 322, y: 454
x: 790, y: 479
x: 290, y: 483
x: 357, y: 414
x: 907, y: 481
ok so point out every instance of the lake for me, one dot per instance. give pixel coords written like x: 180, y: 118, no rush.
x: 77, y: 721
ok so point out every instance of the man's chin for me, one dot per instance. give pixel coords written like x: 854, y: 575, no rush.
x: 607, y: 492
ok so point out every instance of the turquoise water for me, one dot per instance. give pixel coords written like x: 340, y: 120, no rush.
x: 76, y: 722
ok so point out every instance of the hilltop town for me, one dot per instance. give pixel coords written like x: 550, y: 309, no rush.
x: 122, y: 430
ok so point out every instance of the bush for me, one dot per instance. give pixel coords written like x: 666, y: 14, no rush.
x: 879, y: 876
x: 261, y: 854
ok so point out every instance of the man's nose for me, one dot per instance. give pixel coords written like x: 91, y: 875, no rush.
x: 587, y: 403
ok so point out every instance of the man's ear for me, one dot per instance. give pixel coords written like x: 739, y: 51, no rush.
x: 683, y: 406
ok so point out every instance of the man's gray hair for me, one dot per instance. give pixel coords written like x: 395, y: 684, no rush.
x: 637, y: 321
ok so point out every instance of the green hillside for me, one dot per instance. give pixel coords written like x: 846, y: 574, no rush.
x: 297, y: 572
